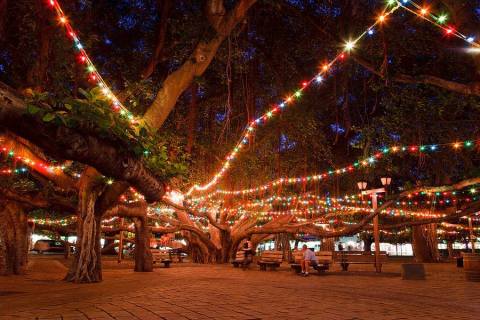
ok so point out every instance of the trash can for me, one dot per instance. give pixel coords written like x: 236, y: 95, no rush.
x: 460, y: 262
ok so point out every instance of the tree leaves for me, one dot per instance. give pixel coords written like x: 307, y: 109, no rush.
x: 48, y: 117
x: 93, y: 115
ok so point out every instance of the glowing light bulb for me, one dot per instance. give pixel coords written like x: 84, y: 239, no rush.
x: 442, y: 19
x: 349, y: 45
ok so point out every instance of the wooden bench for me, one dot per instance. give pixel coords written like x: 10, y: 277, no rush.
x: 324, y: 260
x: 347, y: 258
x: 239, y: 259
x: 161, y: 257
x: 272, y: 259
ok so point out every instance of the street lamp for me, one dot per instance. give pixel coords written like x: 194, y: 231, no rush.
x: 376, y: 232
x: 362, y: 185
x: 386, y: 181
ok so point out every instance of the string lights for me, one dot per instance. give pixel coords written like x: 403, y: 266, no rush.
x: 288, y: 101
x: 439, y: 20
x: 357, y: 165
x: 37, y: 165
x: 83, y: 58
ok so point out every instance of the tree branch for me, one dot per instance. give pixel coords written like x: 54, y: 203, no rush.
x: 78, y: 146
x: 178, y: 81
x: 472, y: 88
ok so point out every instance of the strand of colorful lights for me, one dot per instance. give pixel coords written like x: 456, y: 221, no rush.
x: 37, y: 165
x: 412, y: 149
x: 437, y: 20
x: 263, y: 119
x: 83, y: 58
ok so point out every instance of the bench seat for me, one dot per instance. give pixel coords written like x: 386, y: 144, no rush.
x: 347, y: 258
x: 161, y: 257
x: 324, y: 260
x: 239, y: 259
x: 271, y: 259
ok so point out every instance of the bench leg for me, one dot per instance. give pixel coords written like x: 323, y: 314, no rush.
x: 167, y: 264
x: 344, y: 266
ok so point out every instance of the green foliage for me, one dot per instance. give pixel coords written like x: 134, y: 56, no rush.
x: 93, y: 115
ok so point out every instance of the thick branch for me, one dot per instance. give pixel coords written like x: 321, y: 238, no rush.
x: 78, y: 146
x: 177, y: 82
x: 21, y: 149
x: 472, y: 88
x: 39, y: 201
x: 164, y: 8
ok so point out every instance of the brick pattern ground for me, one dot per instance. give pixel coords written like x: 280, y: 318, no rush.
x: 188, y: 291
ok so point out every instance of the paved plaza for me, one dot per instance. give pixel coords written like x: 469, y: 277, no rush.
x: 190, y: 291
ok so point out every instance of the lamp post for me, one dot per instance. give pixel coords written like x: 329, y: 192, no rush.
x: 376, y: 232
x: 386, y: 181
x: 472, y: 237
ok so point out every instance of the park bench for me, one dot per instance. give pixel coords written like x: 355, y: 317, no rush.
x: 272, y: 259
x: 324, y: 260
x: 161, y: 257
x: 347, y: 258
x: 239, y: 258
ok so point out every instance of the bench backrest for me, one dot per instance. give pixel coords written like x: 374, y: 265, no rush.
x: 324, y: 256
x: 240, y: 255
x: 297, y: 256
x: 158, y: 255
x: 272, y: 256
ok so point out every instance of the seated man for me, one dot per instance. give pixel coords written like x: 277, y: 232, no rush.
x: 309, y: 259
x: 248, y: 253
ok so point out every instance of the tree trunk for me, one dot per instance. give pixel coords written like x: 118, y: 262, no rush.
x: 226, y: 240
x: 425, y: 243
x: 367, y: 243
x: 37, y: 75
x: 192, y: 117
x: 143, y: 255
x: 86, y: 266
x: 450, y: 249
x: 328, y: 244
x: 14, y: 239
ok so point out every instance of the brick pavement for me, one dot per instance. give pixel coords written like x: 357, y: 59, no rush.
x: 188, y: 291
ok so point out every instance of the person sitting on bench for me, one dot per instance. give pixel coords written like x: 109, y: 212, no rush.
x: 248, y: 253
x: 308, y: 259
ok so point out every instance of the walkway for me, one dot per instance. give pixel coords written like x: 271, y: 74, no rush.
x: 188, y: 291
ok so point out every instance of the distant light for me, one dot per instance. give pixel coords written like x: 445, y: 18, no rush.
x: 175, y: 196
x: 349, y: 45
x: 442, y: 18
